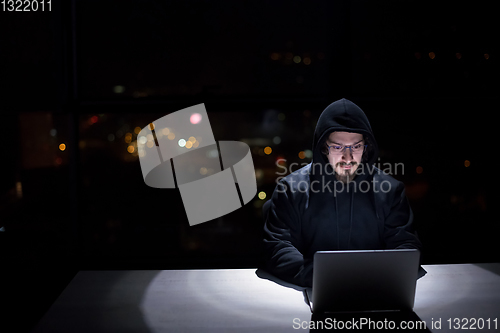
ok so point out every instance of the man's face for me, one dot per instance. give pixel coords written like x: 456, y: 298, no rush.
x: 347, y: 161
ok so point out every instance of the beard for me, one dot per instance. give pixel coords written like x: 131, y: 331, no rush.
x: 345, y: 175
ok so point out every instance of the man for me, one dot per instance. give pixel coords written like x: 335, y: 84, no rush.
x: 339, y: 201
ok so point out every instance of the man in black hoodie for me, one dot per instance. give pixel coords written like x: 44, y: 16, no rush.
x: 339, y: 201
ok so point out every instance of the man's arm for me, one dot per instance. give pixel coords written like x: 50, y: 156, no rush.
x: 283, y: 241
x: 399, y: 230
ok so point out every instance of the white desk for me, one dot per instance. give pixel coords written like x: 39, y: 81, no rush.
x: 240, y: 301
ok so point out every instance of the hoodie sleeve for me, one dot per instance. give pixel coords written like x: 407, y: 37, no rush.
x: 398, y: 228
x: 282, y: 239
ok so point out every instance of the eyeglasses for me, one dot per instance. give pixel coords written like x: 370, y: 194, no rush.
x: 339, y: 149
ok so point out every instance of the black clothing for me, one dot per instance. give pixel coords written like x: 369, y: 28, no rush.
x: 311, y: 210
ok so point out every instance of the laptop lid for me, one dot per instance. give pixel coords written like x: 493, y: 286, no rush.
x: 364, y: 280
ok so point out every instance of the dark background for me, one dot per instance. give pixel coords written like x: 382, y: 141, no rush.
x: 88, y: 73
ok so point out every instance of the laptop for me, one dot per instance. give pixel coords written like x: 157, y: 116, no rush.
x: 364, y: 280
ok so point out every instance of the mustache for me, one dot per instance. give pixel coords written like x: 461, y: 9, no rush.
x: 344, y: 164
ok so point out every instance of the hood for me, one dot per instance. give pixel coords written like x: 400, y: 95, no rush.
x: 344, y: 116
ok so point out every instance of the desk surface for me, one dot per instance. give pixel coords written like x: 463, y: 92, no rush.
x: 240, y: 301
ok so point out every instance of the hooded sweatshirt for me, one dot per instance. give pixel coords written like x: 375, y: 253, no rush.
x: 311, y: 210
